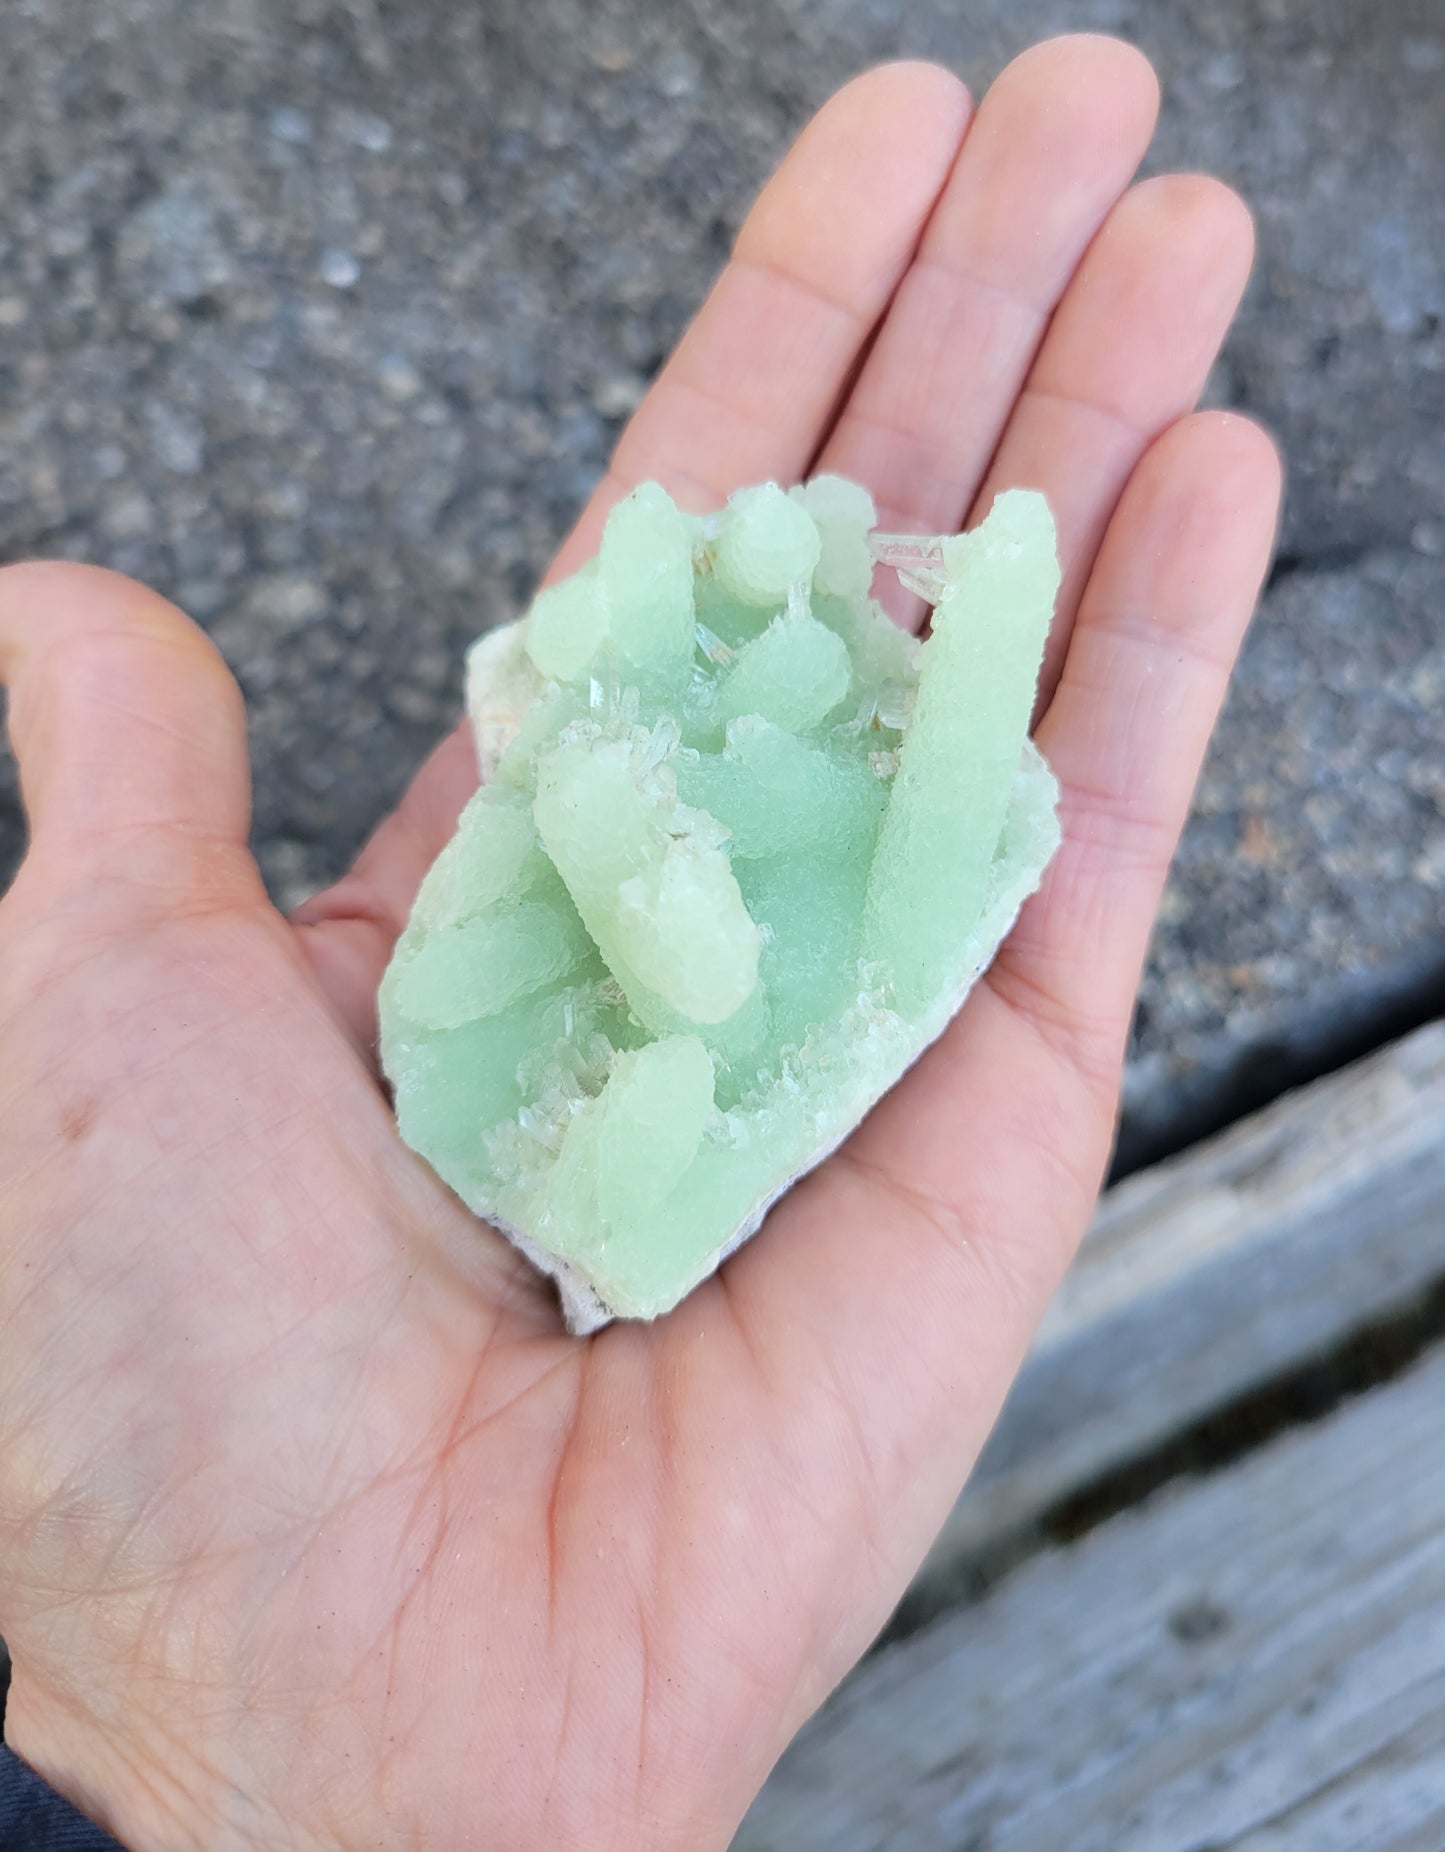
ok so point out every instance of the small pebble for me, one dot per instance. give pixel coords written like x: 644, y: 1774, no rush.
x: 291, y: 125
x: 340, y: 269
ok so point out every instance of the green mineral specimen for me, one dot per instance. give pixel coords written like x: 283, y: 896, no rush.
x: 741, y: 848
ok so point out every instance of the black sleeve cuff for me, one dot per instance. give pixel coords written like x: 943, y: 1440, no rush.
x: 33, y: 1817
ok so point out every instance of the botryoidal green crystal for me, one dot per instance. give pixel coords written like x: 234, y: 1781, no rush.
x: 741, y: 848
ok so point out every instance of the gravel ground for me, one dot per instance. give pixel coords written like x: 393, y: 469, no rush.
x: 322, y: 317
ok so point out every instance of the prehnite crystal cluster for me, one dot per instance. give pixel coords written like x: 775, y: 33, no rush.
x: 741, y: 847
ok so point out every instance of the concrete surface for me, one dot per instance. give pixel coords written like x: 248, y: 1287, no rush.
x: 321, y: 316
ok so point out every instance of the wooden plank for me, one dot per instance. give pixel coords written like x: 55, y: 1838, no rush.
x: 1395, y: 1794
x: 1215, y: 1273
x: 1248, y: 1662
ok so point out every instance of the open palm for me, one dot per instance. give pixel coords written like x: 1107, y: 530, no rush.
x: 315, y: 1528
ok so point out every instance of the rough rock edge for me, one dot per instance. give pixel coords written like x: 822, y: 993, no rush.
x: 500, y: 685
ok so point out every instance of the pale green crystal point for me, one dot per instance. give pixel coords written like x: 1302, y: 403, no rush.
x: 794, y: 674
x: 766, y: 543
x: 567, y: 625
x: 742, y: 850
x: 650, y: 878
x: 947, y: 807
x: 644, y: 569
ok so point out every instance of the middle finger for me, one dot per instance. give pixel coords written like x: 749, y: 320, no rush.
x: 1055, y: 142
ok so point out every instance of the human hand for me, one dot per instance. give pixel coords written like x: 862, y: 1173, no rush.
x: 315, y: 1528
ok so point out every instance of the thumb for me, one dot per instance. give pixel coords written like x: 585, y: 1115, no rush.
x: 129, y: 731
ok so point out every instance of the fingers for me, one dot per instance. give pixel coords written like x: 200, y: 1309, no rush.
x: 747, y: 395
x: 756, y: 379
x: 1055, y: 142
x: 129, y: 732
x: 903, y: 1280
x: 1127, y: 355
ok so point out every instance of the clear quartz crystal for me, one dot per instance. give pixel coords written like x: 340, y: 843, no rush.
x: 741, y: 848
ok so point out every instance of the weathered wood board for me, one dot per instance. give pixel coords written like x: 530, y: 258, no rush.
x: 1252, y: 1662
x: 1207, y: 1276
